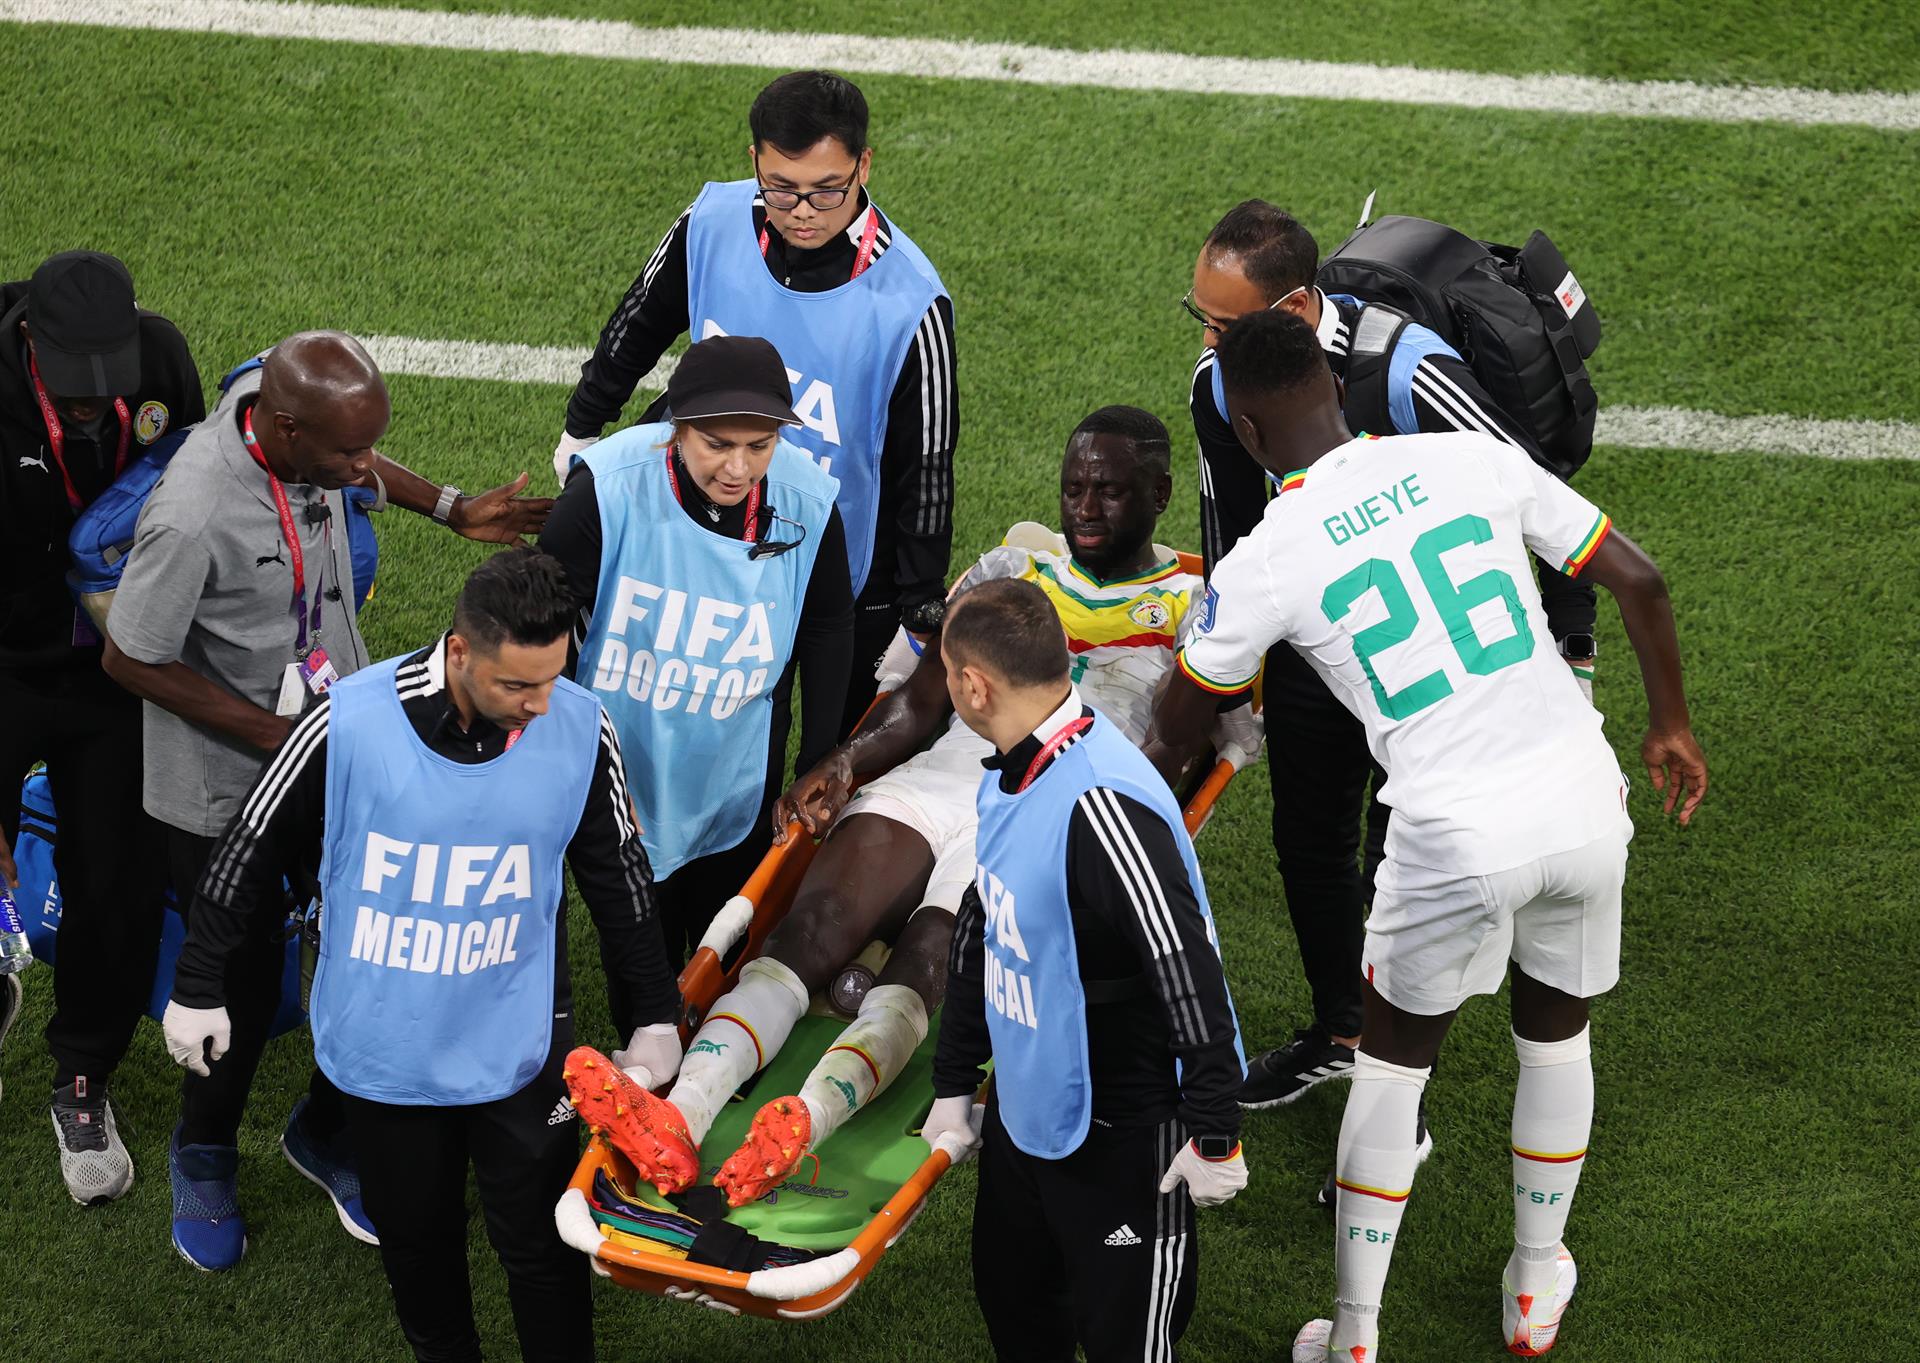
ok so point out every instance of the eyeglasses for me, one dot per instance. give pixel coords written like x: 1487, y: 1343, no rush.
x: 1214, y: 324
x: 774, y: 548
x: 820, y: 199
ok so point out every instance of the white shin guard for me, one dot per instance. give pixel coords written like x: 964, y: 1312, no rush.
x: 869, y: 1055
x: 746, y: 1029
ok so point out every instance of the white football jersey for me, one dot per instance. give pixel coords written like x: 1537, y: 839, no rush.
x: 1398, y: 567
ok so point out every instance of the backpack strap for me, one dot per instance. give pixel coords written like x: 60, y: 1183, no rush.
x: 1369, y: 354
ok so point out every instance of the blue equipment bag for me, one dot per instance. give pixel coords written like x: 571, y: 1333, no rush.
x: 39, y: 899
x: 102, y: 535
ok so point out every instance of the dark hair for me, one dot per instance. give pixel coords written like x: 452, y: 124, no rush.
x: 1008, y: 626
x: 519, y: 594
x: 1141, y: 428
x: 801, y: 107
x: 1276, y: 254
x: 1269, y: 352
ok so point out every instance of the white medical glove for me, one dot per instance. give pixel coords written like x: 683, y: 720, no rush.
x: 189, y: 1030
x: 652, y: 1056
x: 954, y: 1126
x: 563, y: 453
x: 1209, y: 1182
x: 1238, y: 734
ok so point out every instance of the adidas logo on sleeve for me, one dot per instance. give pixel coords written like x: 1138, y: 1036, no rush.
x: 562, y: 1112
x: 1123, y: 1236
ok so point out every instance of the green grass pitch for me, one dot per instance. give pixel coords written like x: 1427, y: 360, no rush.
x: 1751, y: 1191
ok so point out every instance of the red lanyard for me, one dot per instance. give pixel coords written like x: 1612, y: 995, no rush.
x: 753, y: 498
x: 57, y: 438
x: 292, y: 535
x: 861, y: 258
x: 1060, y: 740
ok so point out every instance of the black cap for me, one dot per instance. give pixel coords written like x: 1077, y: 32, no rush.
x: 731, y: 376
x: 85, y: 327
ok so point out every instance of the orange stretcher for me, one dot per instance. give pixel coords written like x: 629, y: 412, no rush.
x: 805, y: 1290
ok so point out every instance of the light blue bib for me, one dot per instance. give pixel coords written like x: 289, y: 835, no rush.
x: 442, y: 881
x: 689, y: 637
x: 1036, y: 1007
x: 843, y: 348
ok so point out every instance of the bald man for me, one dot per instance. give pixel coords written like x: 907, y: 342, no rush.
x: 234, y: 614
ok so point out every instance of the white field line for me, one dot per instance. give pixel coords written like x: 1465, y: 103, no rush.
x: 1119, y: 70
x: 1651, y: 428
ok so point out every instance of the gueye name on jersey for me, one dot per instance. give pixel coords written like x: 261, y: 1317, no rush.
x: 1370, y: 514
x: 444, y: 877
x: 667, y: 663
x: 812, y: 404
x: 1010, y: 991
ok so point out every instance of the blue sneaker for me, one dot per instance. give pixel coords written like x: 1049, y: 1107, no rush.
x: 208, y: 1229
x: 332, y: 1169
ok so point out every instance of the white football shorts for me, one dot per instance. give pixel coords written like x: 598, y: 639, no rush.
x: 1436, y: 938
x: 933, y: 794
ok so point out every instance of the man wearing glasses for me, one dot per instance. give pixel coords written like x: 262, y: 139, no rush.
x: 800, y: 255
x: 1259, y: 258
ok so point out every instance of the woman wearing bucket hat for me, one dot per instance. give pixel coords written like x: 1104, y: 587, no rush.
x: 710, y: 564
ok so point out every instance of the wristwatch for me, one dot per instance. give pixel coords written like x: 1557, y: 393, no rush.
x: 1214, y: 1147
x: 925, y: 618
x: 444, y: 507
x: 1579, y: 646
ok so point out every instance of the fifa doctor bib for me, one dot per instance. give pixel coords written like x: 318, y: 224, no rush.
x: 1036, y: 1007
x: 843, y: 348
x: 689, y: 637
x: 442, y: 882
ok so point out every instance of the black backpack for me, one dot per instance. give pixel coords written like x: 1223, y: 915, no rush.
x: 1517, y: 316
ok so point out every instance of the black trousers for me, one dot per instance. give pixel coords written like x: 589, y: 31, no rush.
x: 1084, y: 1250
x: 413, y: 1177
x: 110, y: 857
x: 875, y: 618
x: 1571, y: 605
x: 211, y: 1107
x: 1321, y: 770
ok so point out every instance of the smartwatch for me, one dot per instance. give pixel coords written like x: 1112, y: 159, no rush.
x: 1579, y: 646
x: 1215, y: 1148
x: 926, y: 617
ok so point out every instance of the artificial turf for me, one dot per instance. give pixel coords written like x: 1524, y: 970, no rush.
x: 1752, y: 1173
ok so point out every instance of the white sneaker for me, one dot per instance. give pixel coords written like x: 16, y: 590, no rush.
x: 1314, y: 1345
x: 93, y: 1159
x: 1531, y: 1323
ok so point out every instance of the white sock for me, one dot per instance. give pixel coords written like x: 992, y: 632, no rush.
x: 1375, y: 1173
x: 747, y: 1027
x: 876, y: 1046
x: 1552, y: 1119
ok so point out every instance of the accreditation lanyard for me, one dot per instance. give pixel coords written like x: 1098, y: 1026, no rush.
x: 291, y: 533
x: 753, y: 497
x: 861, y: 258
x: 1060, y: 740
x: 57, y: 438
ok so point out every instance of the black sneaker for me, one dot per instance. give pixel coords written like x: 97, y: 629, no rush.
x: 1277, y: 1077
x: 1422, y: 1147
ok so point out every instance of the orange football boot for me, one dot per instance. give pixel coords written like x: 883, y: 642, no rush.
x: 649, y: 1131
x: 776, y: 1142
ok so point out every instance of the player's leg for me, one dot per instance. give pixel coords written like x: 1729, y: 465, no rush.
x: 1317, y: 759
x: 1132, y: 1251
x: 1433, y: 941
x: 1566, y: 949
x: 413, y: 1180
x: 1019, y: 1272
x: 522, y: 1160
x: 892, y: 1018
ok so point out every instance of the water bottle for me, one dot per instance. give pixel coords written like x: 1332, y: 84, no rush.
x: 16, y: 953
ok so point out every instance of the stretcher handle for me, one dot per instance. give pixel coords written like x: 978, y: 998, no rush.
x: 1200, y: 808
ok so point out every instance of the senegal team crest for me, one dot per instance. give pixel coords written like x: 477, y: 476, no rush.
x: 1150, y: 614
x: 150, y: 422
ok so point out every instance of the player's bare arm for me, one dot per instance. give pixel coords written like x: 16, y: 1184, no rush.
x: 1675, y: 763
x: 1182, y: 718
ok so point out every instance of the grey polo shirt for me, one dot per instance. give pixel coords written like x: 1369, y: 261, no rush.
x: 209, y: 583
